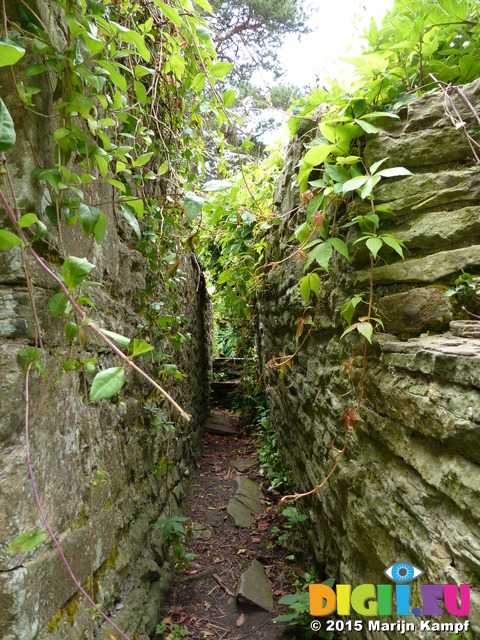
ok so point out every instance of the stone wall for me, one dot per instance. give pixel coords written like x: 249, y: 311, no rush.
x: 132, y: 434
x: 408, y: 489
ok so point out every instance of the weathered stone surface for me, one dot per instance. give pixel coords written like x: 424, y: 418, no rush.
x: 415, y: 311
x: 201, y: 531
x: 245, y: 503
x: 220, y: 425
x: 465, y: 328
x: 430, y: 269
x: 254, y: 589
x: 243, y: 464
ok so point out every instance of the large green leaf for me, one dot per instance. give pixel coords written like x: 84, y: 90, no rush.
x: 317, y: 155
x: 75, y: 270
x: 7, y: 129
x: 10, y: 53
x: 107, y: 383
x: 192, y: 204
x: 89, y: 216
x: 27, y: 541
x: 221, y: 69
x: 9, y: 239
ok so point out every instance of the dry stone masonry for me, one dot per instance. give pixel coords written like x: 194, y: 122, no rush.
x: 408, y: 488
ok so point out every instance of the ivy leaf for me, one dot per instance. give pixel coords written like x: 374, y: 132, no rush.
x: 7, y: 128
x: 27, y: 220
x: 107, y: 383
x: 395, y: 244
x: 9, y: 239
x: 171, y: 13
x: 10, y: 53
x: 58, y: 303
x: 374, y: 245
x: 321, y: 254
x: 123, y: 341
x: 377, y: 164
x: 340, y: 246
x: 132, y: 221
x: 71, y: 330
x: 366, y: 126
x: 192, y: 204
x: 228, y: 98
x: 354, y: 183
x: 393, y: 172
x: 75, y: 270
x: 89, y: 216
x: 217, y: 185
x: 27, y: 541
x: 221, y: 69
x: 317, y: 155
x: 366, y: 329
x: 348, y: 308
x: 139, y: 347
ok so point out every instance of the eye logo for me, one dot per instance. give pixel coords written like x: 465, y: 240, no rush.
x: 402, y: 572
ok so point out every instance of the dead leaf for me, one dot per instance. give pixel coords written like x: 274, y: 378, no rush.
x: 217, y: 560
x: 167, y: 621
x: 207, y: 605
x: 240, y: 620
x: 241, y: 551
x: 256, y: 540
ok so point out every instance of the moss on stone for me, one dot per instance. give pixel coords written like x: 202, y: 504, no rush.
x: 69, y: 611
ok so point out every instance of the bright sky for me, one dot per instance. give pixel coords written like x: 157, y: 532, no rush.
x: 337, y: 26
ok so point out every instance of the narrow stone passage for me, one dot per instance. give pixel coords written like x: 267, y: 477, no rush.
x: 231, y: 588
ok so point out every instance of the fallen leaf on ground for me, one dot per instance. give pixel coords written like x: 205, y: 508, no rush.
x: 256, y: 540
x: 217, y: 560
x: 167, y: 621
x: 240, y: 620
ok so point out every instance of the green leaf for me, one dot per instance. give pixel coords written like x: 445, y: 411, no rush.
x: 348, y: 308
x: 123, y: 341
x: 100, y: 228
x: 377, y: 164
x: 136, y: 39
x: 139, y: 347
x: 374, y: 245
x: 107, y: 383
x: 317, y: 155
x: 393, y: 172
x: 27, y: 220
x: 75, y: 270
x: 354, y: 183
x: 359, y: 107
x: 366, y: 126
x: 71, y: 330
x: 228, y: 98
x: 203, y: 34
x: 340, y: 246
x: 369, y: 186
x: 29, y: 354
x: 7, y: 128
x: 198, y: 83
x: 171, y: 13
x: 58, y: 303
x: 395, y: 244
x: 321, y: 254
x: 143, y: 159
x: 221, y: 69
x: 217, y: 185
x: 366, y: 329
x: 89, y: 216
x: 132, y: 221
x: 10, y: 53
x: 205, y: 5
x: 9, y: 239
x: 141, y: 92
x: 192, y: 204
x: 27, y: 540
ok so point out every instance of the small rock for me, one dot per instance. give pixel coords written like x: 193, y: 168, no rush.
x: 253, y: 588
x: 242, y: 464
x: 201, y: 531
x: 197, y: 577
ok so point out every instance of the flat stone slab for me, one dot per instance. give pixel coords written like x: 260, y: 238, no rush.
x: 245, y: 503
x: 254, y: 589
x: 242, y: 464
x: 201, y: 531
x: 219, y: 425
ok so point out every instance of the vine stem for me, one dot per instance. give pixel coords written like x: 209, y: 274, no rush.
x: 42, y: 514
x: 83, y: 315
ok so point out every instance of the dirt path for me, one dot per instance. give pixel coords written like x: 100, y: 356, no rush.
x: 202, y: 599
